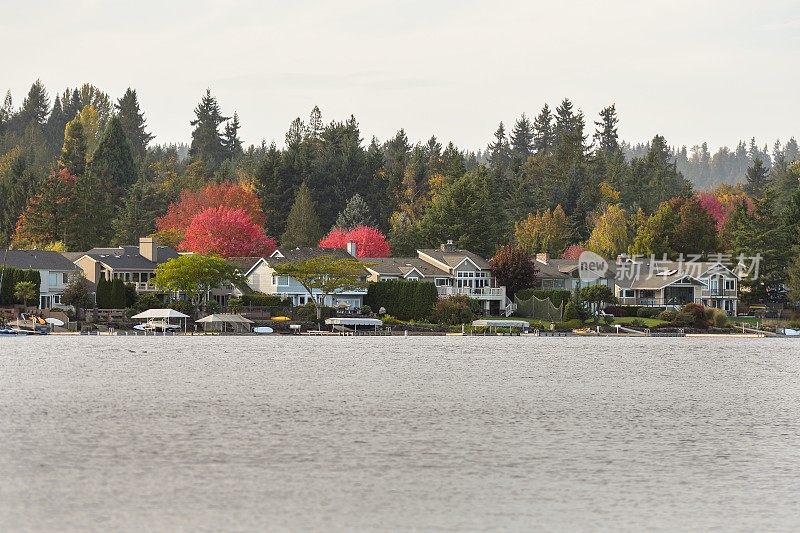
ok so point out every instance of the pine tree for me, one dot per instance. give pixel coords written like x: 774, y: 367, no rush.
x: 757, y: 178
x: 522, y: 139
x: 206, y: 142
x: 112, y: 161
x: 302, y: 224
x: 543, y: 134
x: 92, y: 211
x: 605, y: 135
x: 230, y: 139
x: 56, y: 123
x: 138, y: 214
x: 274, y: 189
x: 133, y: 123
x: 355, y: 213
x: 35, y: 107
x: 498, y: 153
x: 73, y: 152
x: 452, y: 162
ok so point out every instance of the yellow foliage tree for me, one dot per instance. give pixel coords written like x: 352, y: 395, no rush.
x: 610, y: 236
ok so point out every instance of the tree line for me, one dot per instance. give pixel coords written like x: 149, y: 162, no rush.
x: 81, y: 170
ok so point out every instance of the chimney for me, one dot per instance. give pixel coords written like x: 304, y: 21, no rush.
x: 351, y: 248
x: 148, y: 248
x: 448, y: 247
x: 543, y: 257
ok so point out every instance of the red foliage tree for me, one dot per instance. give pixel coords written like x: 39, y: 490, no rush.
x: 370, y: 242
x: 573, y: 252
x: 191, y: 203
x: 514, y: 268
x: 721, y: 205
x: 226, y: 232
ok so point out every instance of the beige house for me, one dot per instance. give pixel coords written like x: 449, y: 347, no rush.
x: 131, y: 264
x: 453, y: 271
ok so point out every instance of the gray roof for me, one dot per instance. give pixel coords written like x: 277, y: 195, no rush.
x: 36, y: 260
x: 128, y: 257
x: 644, y: 274
x: 453, y: 258
x: 308, y: 252
x: 245, y: 264
x: 566, y: 268
x: 400, y: 266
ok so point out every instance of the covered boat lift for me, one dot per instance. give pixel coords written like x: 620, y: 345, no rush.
x: 369, y: 326
x: 239, y: 323
x: 493, y: 325
x: 160, y: 318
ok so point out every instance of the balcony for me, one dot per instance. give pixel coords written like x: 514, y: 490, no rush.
x: 145, y: 287
x: 484, y: 293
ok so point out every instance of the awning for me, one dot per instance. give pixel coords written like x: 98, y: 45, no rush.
x: 224, y: 318
x: 159, y: 314
x: 501, y: 324
x: 336, y: 321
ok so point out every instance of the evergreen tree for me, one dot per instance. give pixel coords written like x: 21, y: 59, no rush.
x: 275, y: 190
x: 136, y: 218
x: 92, y: 211
x: 605, y: 136
x: 302, y: 224
x: 73, y: 153
x: 543, y: 134
x: 498, y: 153
x: 112, y: 161
x: 132, y: 120
x: 757, y: 178
x: 452, y: 162
x: 56, y: 123
x: 522, y: 139
x: 230, y: 139
x: 206, y: 142
x: 35, y: 107
x: 355, y: 213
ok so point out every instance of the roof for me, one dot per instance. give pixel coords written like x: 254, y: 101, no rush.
x: 36, y: 260
x: 453, y: 258
x: 160, y: 313
x: 400, y: 266
x: 646, y: 274
x: 245, y: 264
x: 128, y: 257
x: 308, y: 252
x: 566, y: 268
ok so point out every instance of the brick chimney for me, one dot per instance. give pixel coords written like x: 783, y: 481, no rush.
x: 148, y: 248
x: 448, y: 246
x: 351, y: 248
x: 543, y: 257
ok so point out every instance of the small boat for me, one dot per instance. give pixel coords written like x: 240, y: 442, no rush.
x: 263, y: 330
x: 55, y: 322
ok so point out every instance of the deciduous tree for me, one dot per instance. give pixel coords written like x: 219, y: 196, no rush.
x: 513, y: 267
x: 370, y: 242
x: 228, y: 233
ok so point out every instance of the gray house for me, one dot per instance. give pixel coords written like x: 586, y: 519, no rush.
x: 54, y: 270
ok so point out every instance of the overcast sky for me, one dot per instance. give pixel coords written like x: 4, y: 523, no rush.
x: 690, y: 70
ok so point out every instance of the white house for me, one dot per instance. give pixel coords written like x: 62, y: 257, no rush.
x: 261, y: 277
x: 453, y: 271
x: 54, y: 269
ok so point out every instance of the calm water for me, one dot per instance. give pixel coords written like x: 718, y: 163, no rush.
x: 418, y: 433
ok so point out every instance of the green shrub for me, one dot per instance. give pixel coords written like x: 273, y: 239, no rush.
x: 389, y: 320
x: 211, y: 307
x: 259, y: 299
x: 667, y: 315
x: 147, y: 300
x: 608, y: 320
x: 637, y: 323
x: 648, y: 312
x: 182, y: 306
x: 308, y: 312
x: 568, y: 325
x: 570, y: 312
x: 366, y: 310
x: 719, y: 318
x: 691, y: 315
x: 454, y: 310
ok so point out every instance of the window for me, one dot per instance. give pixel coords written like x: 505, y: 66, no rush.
x: 65, y: 278
x: 56, y: 299
x: 730, y: 284
x: 627, y: 293
x: 52, y: 279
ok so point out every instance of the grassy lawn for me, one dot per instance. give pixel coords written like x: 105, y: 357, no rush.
x: 648, y: 322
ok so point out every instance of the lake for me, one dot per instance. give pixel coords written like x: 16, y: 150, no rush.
x: 432, y: 433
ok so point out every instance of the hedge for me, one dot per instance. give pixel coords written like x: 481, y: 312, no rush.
x: 12, y: 276
x: 259, y: 299
x: 403, y: 299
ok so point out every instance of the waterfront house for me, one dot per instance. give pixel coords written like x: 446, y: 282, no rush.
x: 672, y: 284
x: 54, y: 270
x: 452, y: 270
x: 132, y: 264
x: 564, y: 274
x: 259, y: 275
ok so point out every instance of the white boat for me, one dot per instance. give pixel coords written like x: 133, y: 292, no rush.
x: 263, y: 330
